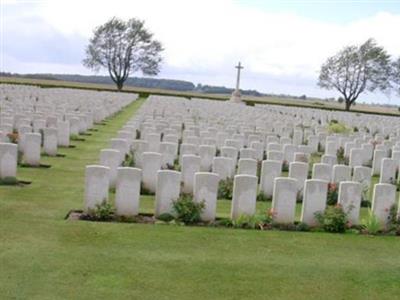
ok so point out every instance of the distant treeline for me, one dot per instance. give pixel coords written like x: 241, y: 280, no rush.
x: 166, y: 84
x: 209, y: 89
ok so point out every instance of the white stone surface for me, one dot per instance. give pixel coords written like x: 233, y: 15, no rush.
x: 127, y: 192
x: 151, y: 164
x: 96, y: 186
x: 388, y: 171
x: 50, y: 141
x: 190, y: 166
x: 8, y: 160
x: 110, y: 158
x: 383, y: 198
x: 206, y: 189
x: 244, y: 196
x: 314, y: 200
x: 284, y: 200
x: 32, y: 148
x: 207, y: 154
x: 349, y: 198
x: 168, y: 191
x: 322, y: 171
x: 270, y: 169
x: 341, y: 173
x: 223, y: 167
x: 247, y: 166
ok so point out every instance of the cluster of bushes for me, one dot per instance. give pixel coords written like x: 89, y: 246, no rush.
x: 335, y: 127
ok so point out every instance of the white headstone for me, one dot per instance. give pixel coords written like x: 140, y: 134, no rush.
x: 350, y: 199
x: 284, y: 200
x: 168, y: 190
x: 206, y: 189
x: 270, y: 169
x: 190, y: 165
x: 383, y: 199
x: 314, y: 200
x: 127, y: 194
x: 151, y: 164
x: 244, y: 196
x: 8, y: 160
x: 96, y: 186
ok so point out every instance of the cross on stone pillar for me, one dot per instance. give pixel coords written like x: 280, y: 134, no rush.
x: 238, y: 67
x: 236, y: 96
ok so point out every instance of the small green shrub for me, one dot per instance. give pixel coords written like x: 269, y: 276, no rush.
x: 302, y: 227
x: 175, y: 166
x: 337, y: 128
x: 102, y: 212
x: 188, y: 211
x: 333, y: 219
x: 129, y: 160
x: 394, y: 218
x: 226, y: 222
x: 371, y: 223
x: 251, y: 222
x: 341, y: 159
x: 225, y: 189
x: 332, y: 196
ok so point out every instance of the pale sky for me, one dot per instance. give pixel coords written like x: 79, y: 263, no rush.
x: 281, y: 44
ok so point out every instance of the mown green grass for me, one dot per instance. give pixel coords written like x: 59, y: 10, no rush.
x: 43, y: 256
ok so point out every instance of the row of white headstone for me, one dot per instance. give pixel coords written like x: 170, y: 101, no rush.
x: 41, y: 120
x: 205, y: 189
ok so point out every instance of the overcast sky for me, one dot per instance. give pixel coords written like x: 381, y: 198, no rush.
x: 281, y: 44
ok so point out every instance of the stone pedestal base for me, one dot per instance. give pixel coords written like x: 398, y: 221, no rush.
x: 236, y: 97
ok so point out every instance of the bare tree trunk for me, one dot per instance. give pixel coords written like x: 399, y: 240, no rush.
x: 120, y: 85
x: 347, y: 104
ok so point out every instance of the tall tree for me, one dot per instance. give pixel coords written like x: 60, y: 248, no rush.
x: 396, y: 75
x: 123, y: 48
x: 355, y: 70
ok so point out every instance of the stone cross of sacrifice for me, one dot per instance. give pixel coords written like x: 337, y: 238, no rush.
x: 239, y: 67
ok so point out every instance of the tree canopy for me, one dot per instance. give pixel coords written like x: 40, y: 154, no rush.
x: 357, y: 69
x: 123, y: 48
x: 396, y: 75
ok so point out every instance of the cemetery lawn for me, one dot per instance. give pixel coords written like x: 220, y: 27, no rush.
x: 43, y: 256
